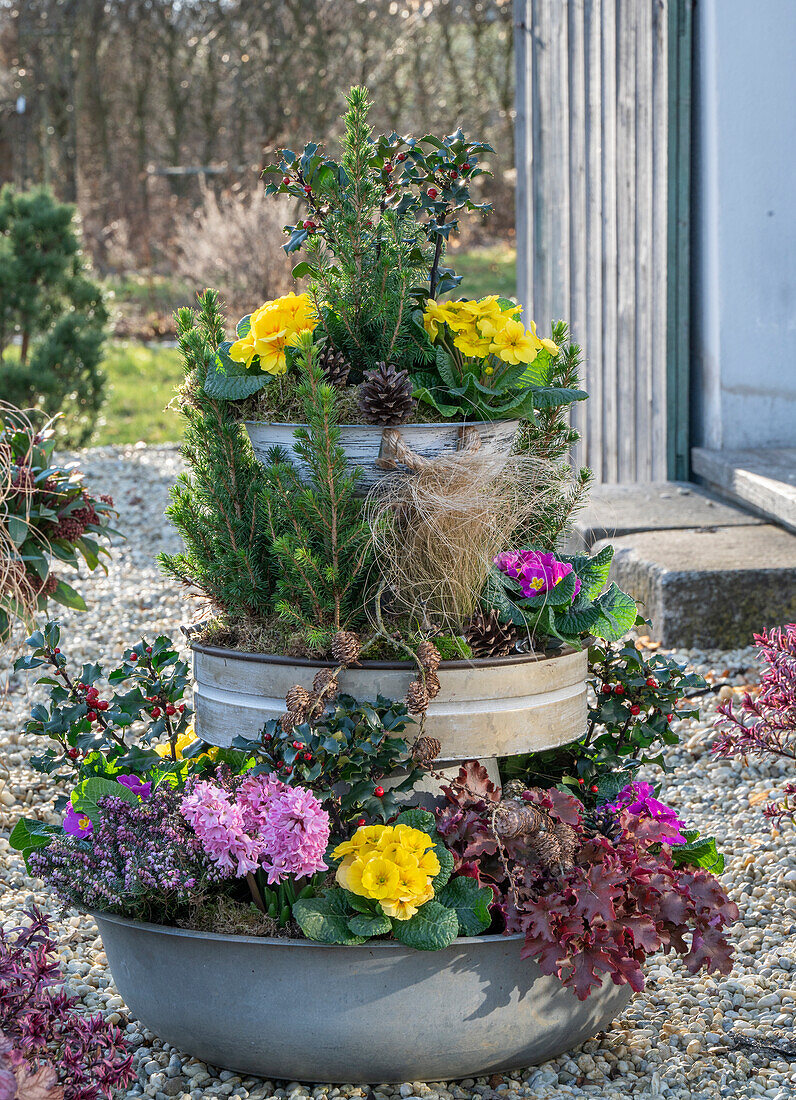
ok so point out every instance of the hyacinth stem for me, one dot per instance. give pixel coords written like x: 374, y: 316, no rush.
x: 255, y: 891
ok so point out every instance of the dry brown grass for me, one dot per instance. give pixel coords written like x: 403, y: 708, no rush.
x: 436, y: 531
x: 16, y: 594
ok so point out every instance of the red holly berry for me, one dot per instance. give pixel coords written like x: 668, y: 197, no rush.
x: 296, y: 744
x: 379, y: 792
x: 606, y: 689
x: 581, y: 782
x: 155, y: 712
x: 288, y: 768
x: 91, y: 715
x: 635, y: 709
x: 102, y: 704
x: 308, y: 757
x: 619, y: 690
x: 594, y: 788
x: 286, y: 180
x: 181, y: 708
x: 56, y: 650
x: 149, y: 649
x: 669, y: 717
x: 454, y: 174
x: 466, y: 166
x: 309, y: 224
x: 652, y: 682
x: 171, y: 709
x: 432, y: 193
x: 81, y: 686
x: 307, y: 189
x: 388, y: 167
x: 268, y: 737
x: 401, y: 157
x: 72, y: 754
x: 360, y: 823
x: 133, y: 657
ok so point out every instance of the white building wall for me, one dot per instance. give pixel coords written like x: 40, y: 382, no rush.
x: 744, y: 224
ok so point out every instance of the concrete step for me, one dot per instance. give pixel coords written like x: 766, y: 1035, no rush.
x: 709, y: 587
x: 615, y: 510
x: 763, y: 479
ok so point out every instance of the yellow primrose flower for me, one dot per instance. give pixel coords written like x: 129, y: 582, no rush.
x: 434, y: 315
x: 184, y: 741
x: 513, y: 344
x: 405, y: 907
x: 275, y: 326
x: 471, y: 343
x: 380, y: 878
x: 349, y: 875
x: 413, y: 840
x: 551, y: 347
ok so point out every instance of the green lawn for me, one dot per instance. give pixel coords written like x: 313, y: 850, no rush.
x: 142, y: 377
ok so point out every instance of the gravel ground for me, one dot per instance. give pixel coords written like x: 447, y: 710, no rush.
x: 683, y: 1037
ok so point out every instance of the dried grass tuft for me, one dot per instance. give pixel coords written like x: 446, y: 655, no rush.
x: 16, y: 594
x: 233, y: 918
x: 436, y: 531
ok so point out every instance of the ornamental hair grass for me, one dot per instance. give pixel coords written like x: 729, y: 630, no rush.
x: 437, y: 529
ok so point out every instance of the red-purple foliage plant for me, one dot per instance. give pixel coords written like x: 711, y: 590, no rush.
x: 44, y: 1041
x: 766, y: 725
x: 622, y: 899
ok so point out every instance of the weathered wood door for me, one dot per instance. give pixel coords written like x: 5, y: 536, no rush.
x: 602, y: 215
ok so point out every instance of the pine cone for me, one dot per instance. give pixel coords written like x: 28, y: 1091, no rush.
x: 335, y: 367
x: 417, y: 698
x: 568, y: 841
x: 426, y: 750
x: 513, y: 818
x: 325, y: 683
x: 432, y: 685
x: 487, y: 636
x: 298, y: 699
x: 291, y: 719
x: 385, y: 396
x: 546, y: 847
x: 515, y: 789
x: 428, y: 655
x: 346, y: 647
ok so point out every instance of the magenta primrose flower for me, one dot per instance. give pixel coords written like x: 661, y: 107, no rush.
x: 136, y: 785
x: 76, y: 824
x: 639, y: 799
x: 537, y: 572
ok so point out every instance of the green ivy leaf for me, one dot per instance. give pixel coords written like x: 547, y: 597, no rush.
x: 470, y: 902
x: 431, y: 928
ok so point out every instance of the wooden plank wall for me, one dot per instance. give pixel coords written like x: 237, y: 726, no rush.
x: 592, y: 172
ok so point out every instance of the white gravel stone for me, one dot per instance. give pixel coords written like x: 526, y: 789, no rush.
x: 682, y: 1038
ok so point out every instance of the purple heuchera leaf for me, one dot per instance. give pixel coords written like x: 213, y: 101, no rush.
x: 536, y: 572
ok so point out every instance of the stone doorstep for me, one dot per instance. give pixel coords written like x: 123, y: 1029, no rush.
x: 616, y: 510
x: 709, y: 588
x: 762, y: 479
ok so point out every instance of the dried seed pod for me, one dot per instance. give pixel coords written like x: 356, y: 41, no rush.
x: 417, y: 697
x: 346, y: 647
x: 515, y: 788
x: 428, y: 655
x: 325, y: 683
x: 298, y: 699
x: 426, y: 749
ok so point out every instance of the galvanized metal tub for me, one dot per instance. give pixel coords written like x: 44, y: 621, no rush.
x: 362, y: 443
x: 489, y: 708
x: 380, y: 1012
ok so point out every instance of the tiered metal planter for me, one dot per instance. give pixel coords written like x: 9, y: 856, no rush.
x: 379, y: 1012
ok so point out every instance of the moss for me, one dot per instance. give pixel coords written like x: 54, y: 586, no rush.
x: 278, y: 403
x: 233, y: 918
